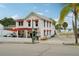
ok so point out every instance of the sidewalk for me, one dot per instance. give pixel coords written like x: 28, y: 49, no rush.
x: 59, y: 40
x: 16, y: 40
x: 54, y: 40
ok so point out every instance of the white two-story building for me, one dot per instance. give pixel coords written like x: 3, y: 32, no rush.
x: 39, y: 23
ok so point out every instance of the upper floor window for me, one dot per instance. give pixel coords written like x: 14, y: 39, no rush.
x: 44, y: 23
x: 29, y: 24
x: 21, y: 23
x: 47, y: 23
x: 50, y: 24
x: 36, y: 23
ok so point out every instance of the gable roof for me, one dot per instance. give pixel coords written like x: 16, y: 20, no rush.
x: 38, y: 15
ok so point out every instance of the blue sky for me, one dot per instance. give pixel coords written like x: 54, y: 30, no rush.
x: 21, y: 10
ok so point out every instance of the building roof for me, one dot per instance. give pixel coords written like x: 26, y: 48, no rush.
x: 38, y: 15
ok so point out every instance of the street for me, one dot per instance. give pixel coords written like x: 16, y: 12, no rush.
x: 38, y: 50
x: 52, y: 47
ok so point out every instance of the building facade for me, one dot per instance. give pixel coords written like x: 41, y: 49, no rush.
x: 38, y: 23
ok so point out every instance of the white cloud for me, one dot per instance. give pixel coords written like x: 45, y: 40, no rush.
x: 70, y: 15
x: 67, y: 19
x: 2, y: 6
x: 16, y: 16
x: 39, y: 13
x: 56, y: 19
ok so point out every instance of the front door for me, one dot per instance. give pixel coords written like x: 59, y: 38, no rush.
x: 21, y: 33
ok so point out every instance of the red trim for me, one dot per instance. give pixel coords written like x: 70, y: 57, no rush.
x: 18, y: 29
x: 35, y: 20
x: 24, y: 29
x: 28, y: 20
x: 19, y: 20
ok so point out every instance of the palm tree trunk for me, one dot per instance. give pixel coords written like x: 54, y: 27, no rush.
x: 75, y: 30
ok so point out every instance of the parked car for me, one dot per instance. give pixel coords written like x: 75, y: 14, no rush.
x: 13, y: 35
x: 10, y: 35
x: 7, y: 35
x: 4, y: 35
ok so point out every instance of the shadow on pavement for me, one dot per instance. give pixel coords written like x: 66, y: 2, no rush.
x: 72, y: 44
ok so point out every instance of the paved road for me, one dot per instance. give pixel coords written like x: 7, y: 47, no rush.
x: 38, y: 50
x: 52, y: 47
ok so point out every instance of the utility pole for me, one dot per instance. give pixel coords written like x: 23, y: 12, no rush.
x: 75, y: 13
x: 32, y: 32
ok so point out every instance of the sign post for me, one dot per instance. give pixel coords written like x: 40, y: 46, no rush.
x: 32, y: 32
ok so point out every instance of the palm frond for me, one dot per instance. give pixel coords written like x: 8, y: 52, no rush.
x: 64, y: 12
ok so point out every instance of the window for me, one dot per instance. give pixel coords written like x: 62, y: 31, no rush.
x: 50, y: 32
x: 50, y: 24
x: 47, y: 23
x: 20, y: 23
x: 29, y: 24
x: 47, y: 32
x: 44, y: 23
x: 36, y: 23
x: 44, y: 32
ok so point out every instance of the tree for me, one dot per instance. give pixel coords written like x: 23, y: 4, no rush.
x: 65, y: 25
x: 58, y: 27
x: 74, y: 8
x: 7, y: 21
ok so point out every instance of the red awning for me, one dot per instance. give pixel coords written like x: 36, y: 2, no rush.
x: 18, y: 29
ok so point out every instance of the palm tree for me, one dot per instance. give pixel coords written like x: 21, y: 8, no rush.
x: 65, y: 11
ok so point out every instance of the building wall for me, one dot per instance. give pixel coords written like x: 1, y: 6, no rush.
x: 40, y: 25
x: 42, y: 28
